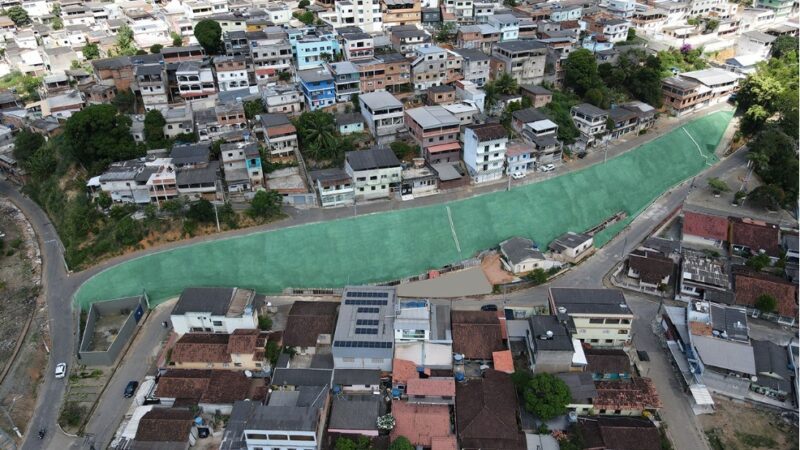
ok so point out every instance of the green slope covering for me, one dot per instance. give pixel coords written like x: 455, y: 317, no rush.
x: 397, y: 244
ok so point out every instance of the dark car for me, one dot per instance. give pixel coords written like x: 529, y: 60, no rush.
x: 130, y: 389
x: 489, y: 308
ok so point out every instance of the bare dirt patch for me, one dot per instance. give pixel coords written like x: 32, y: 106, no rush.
x: 740, y: 426
x: 493, y: 268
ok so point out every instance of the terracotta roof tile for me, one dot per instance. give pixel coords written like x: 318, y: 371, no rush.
x: 705, y: 225
x: 476, y: 334
x: 444, y: 443
x: 404, y: 370
x: 607, y: 361
x: 749, y: 285
x: 246, y: 341
x: 188, y: 384
x: 652, y: 267
x: 307, y: 320
x: 638, y: 394
x: 503, y: 361
x: 431, y: 387
x: 165, y: 425
x: 201, y: 347
x: 486, y: 413
x: 226, y: 387
x: 420, y: 423
x: 756, y: 235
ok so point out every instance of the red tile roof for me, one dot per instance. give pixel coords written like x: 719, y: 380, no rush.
x: 636, y: 394
x: 486, y: 413
x: 756, y: 235
x: 476, y: 334
x: 431, y: 387
x: 444, y: 443
x: 705, y: 225
x: 503, y: 361
x: 404, y: 370
x: 201, y: 347
x: 749, y: 285
x: 165, y: 425
x: 420, y: 423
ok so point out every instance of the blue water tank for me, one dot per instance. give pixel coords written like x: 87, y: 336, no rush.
x: 396, y: 393
x: 337, y: 389
x: 198, y: 420
x: 459, y: 376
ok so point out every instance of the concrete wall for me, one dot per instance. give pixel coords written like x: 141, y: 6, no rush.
x: 108, y: 356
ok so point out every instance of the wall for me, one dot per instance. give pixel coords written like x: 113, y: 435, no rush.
x: 107, y: 357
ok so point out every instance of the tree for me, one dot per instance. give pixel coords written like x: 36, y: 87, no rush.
x: 781, y: 167
x: 156, y: 48
x: 201, y: 211
x: 264, y: 323
x: 154, y: 129
x: 177, y: 40
x: 546, y: 396
x: 784, y: 45
x: 126, y: 46
x: 18, y: 15
x: 26, y: 144
x: 581, y: 71
x: 768, y: 196
x: 446, y: 32
x: 631, y: 34
x: 303, y: 4
x: 538, y: 276
x: 97, y: 135
x: 209, y: 35
x: 128, y: 231
x: 90, y: 51
x: 265, y: 205
x: 30, y: 85
x: 718, y: 186
x: 307, y: 17
x: 317, y: 133
x: 273, y: 352
x: 57, y: 23
x: 124, y: 101
x: 41, y: 164
x: 401, y: 443
x: 356, y: 103
x: 404, y: 151
x: 766, y: 303
x: 285, y: 75
x: 252, y: 108
x: 758, y: 262
x: 103, y: 200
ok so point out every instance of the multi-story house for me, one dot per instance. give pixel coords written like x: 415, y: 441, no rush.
x: 280, y: 137
x: 523, y: 60
x: 599, y: 317
x: 231, y: 72
x: 241, y: 350
x: 119, y: 70
x: 755, y: 43
x: 474, y: 65
x: 482, y: 10
x: 782, y: 8
x: 230, y: 116
x: 241, y: 162
x: 387, y: 72
x: 481, y: 37
x: 357, y: 46
x: 383, y: 114
x: 589, y: 120
x: 375, y: 172
x: 361, y: 13
x: 126, y: 181
x: 152, y: 85
x: 614, y: 30
x: 436, y: 131
x: 282, y: 99
x: 364, y: 336
x: 649, y: 22
x: 179, y: 120
x: 214, y: 310
x: 401, y: 12
x: 318, y: 87
x: 235, y: 43
x: 551, y: 347
x: 507, y: 25
x: 519, y: 158
x: 690, y: 91
x: 334, y: 187
x: 485, y: 151
x: 345, y: 79
x: 429, y: 67
x: 566, y: 13
x: 271, y: 54
x: 406, y: 38
x: 312, y: 50
x: 183, y: 54
x: 195, y: 80
x: 460, y: 10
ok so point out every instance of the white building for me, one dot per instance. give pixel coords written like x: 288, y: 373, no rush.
x: 485, y: 151
x: 383, y: 114
x: 376, y: 172
x: 283, y: 99
x: 334, y: 187
x: 589, y: 120
x: 755, y: 43
x: 365, y: 14
x: 214, y: 310
x: 364, y: 336
x: 508, y: 24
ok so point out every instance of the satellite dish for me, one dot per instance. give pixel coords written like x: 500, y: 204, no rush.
x: 248, y: 374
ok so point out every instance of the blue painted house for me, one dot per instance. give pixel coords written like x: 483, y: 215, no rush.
x: 318, y: 88
x: 308, y: 48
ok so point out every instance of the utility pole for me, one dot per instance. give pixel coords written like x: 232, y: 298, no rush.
x: 216, y: 216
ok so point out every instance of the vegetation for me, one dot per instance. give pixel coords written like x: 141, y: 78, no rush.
x: 156, y: 48
x: 686, y: 59
x: 177, y: 40
x: 154, y: 129
x: 546, y: 396
x: 446, y: 33
x: 252, y: 108
x: 505, y: 84
x: 558, y: 111
x: 18, y: 15
x: 125, y: 43
x: 307, y: 17
x: 209, y: 35
x: 26, y: 86
x: 758, y: 262
x: 319, y: 139
x: 124, y: 101
x: 784, y: 45
x: 91, y: 51
x: 72, y: 414
x: 401, y: 443
x: 771, y: 94
x: 538, y: 276
x: 404, y: 151
x: 264, y: 323
x: 343, y: 443
x: 303, y: 3
x: 97, y: 136
x: 273, y: 352
x: 265, y: 205
x: 718, y: 186
x: 766, y: 303
x: 26, y: 144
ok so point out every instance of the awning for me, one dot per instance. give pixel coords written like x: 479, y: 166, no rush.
x: 449, y: 147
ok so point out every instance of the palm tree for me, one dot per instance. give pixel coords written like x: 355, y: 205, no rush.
x: 506, y: 84
x: 317, y: 133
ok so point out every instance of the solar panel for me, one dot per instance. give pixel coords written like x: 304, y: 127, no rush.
x: 350, y: 301
x: 366, y: 321
x: 369, y: 310
x: 362, y: 344
x: 367, y: 294
x: 366, y: 331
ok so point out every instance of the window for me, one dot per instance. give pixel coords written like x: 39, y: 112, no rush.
x: 256, y: 436
x: 596, y: 321
x: 612, y: 321
x: 622, y: 331
x: 301, y: 438
x: 217, y: 323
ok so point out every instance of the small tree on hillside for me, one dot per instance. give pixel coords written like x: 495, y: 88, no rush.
x: 209, y: 35
x: 766, y: 303
x: 546, y: 396
x: 265, y: 205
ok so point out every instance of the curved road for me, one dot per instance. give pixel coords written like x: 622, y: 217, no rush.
x: 59, y: 285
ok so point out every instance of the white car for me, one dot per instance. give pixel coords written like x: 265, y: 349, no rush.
x: 548, y: 168
x: 518, y: 175
x: 61, y: 370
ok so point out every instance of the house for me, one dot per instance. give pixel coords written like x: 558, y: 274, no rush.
x: 422, y: 334
x: 355, y: 414
x: 614, y: 30
x: 521, y: 255
x: 626, y: 398
x: 551, y: 348
x: 704, y: 229
x: 589, y: 120
x: 620, y: 433
x: 309, y: 49
x: 375, y: 172
x: 749, y: 285
x: 523, y: 60
x: 582, y: 391
x: 425, y: 425
x: 349, y: 123
x: 231, y: 72
x: 166, y: 428
x: 430, y: 66
x: 480, y: 37
x: 474, y: 65
x: 280, y: 136
x: 486, y: 413
x: 406, y: 38
x: 608, y: 364
x: 217, y: 310
x: 282, y: 99
x: 755, y: 43
x: 539, y: 96
x: 599, y: 317
x: 572, y: 247
x: 485, y: 151
x: 624, y: 121
x: 431, y: 391
x: 364, y: 336
x: 719, y: 339
x: 241, y: 350
x: 435, y: 130
x: 357, y: 45
x: 383, y: 114
x: 441, y: 95
x: 195, y: 80
x: 318, y: 87
x: 690, y: 91
x: 286, y: 377
x: 507, y: 25
x: 752, y: 237
x: 241, y: 163
x: 519, y: 158
x: 334, y: 187
x: 476, y: 334
x: 63, y: 106
x: 179, y: 120
x: 653, y: 270
x: 126, y: 181
x: 345, y: 79
x: 357, y: 381
x: 310, y: 324
x: 209, y: 390
x: 704, y: 277
x: 773, y: 370
x: 291, y: 419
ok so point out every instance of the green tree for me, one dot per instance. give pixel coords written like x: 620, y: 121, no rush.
x: 209, y: 35
x: 128, y: 231
x: 26, y: 144
x: 718, y: 186
x: 779, y: 151
x: 303, y: 4
x: 156, y: 48
x: 91, y: 51
x: 766, y: 303
x: 18, y: 15
x: 265, y: 205
x: 103, y: 200
x: 558, y: 110
x: 355, y: 102
x: 446, y: 32
x: 273, y: 352
x: 580, y: 72
x: 201, y: 211
x: 401, y: 443
x: 177, y: 40
x: 307, y: 17
x: 316, y: 131
x: 768, y: 196
x: 124, y: 101
x: 30, y: 86
x: 42, y: 164
x: 758, y: 262
x: 125, y: 43
x: 631, y: 34
x: 97, y: 135
x: 404, y: 151
x: 784, y: 45
x: 538, y: 276
x: 57, y: 23
x: 546, y: 396
x: 285, y: 75
x: 343, y: 443
x: 154, y: 129
x: 252, y: 108
x: 264, y: 323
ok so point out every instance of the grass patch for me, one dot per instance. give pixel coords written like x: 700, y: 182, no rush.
x: 756, y: 440
x: 714, y: 441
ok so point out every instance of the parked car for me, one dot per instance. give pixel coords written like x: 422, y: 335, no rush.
x: 61, y: 370
x: 548, y: 168
x: 130, y: 389
x: 518, y: 175
x: 489, y: 308
x: 582, y: 155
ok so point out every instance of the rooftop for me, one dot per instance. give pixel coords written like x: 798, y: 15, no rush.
x: 432, y: 117
x: 549, y: 334
x: 354, y: 412
x: 476, y: 334
x: 518, y: 249
x: 420, y: 423
x: 307, y: 320
x: 365, y: 325
x: 486, y: 413
x: 214, y: 301
x: 589, y: 301
x: 374, y: 158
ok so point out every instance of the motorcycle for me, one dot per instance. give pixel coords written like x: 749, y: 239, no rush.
x: 42, y: 433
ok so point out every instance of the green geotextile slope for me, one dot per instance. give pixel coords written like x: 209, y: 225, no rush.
x: 396, y: 244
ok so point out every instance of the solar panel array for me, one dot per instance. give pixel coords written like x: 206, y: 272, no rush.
x: 350, y: 301
x: 366, y: 294
x: 366, y: 331
x: 366, y: 321
x: 369, y: 310
x: 362, y: 344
